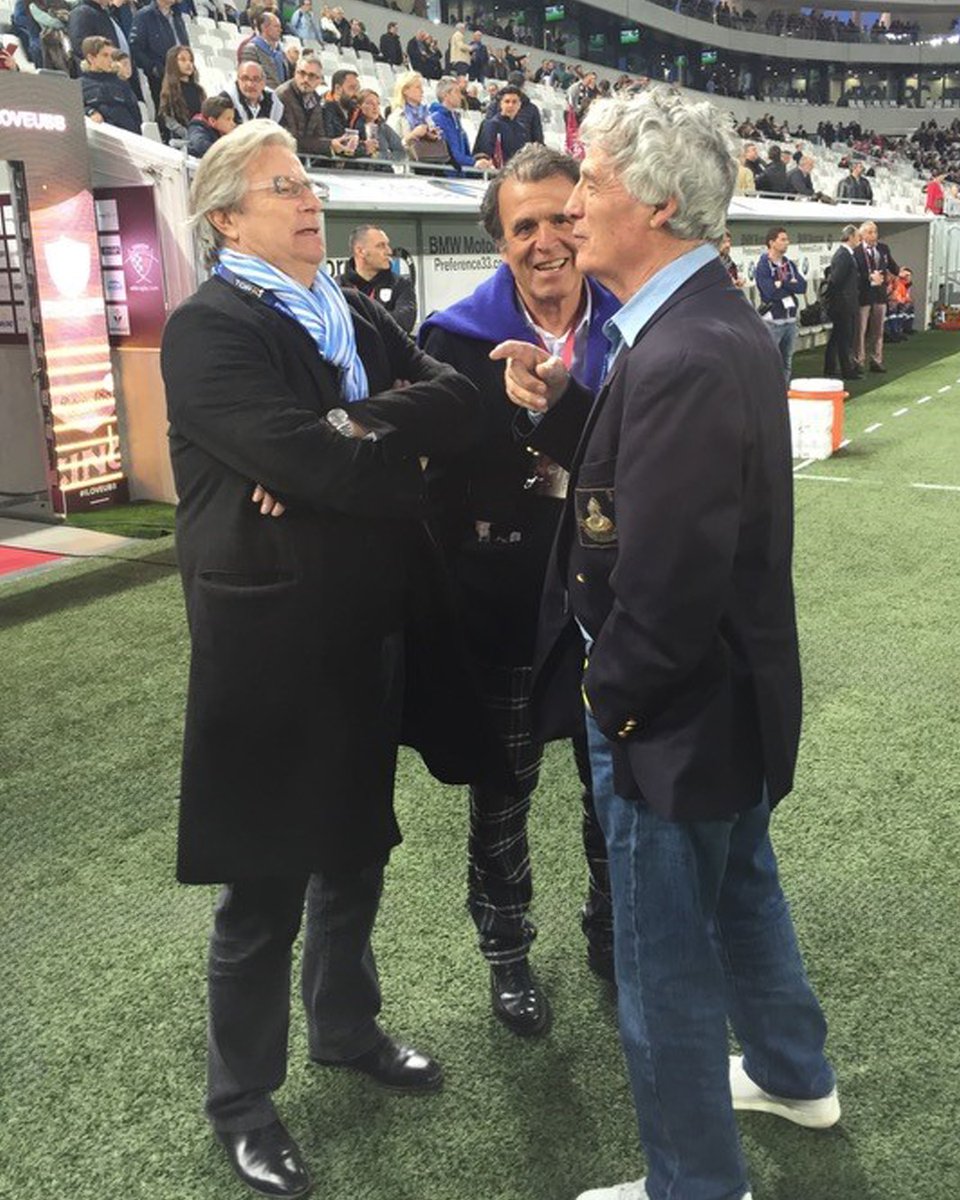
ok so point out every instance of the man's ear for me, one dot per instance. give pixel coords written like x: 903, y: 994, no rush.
x: 224, y: 222
x: 663, y: 213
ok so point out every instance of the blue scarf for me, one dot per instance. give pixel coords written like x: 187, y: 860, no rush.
x: 320, y: 309
x: 491, y: 314
x: 416, y: 114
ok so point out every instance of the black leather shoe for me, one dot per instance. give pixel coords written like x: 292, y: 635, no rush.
x: 518, y: 1000
x: 267, y: 1160
x: 854, y: 375
x: 393, y: 1066
x: 878, y: 369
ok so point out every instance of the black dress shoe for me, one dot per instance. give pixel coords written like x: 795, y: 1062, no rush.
x: 854, y: 375
x: 878, y: 368
x: 267, y: 1160
x: 393, y: 1066
x: 518, y: 1000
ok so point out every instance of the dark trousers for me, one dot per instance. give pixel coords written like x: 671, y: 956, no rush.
x: 255, y: 926
x: 839, y: 358
x: 500, y: 883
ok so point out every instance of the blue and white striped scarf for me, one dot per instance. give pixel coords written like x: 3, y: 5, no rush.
x: 320, y: 309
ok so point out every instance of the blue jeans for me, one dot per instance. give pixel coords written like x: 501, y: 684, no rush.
x: 784, y: 333
x: 702, y: 934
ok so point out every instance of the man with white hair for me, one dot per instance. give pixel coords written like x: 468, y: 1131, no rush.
x: 673, y: 561
x: 875, y: 265
x: 252, y: 99
x: 277, y: 380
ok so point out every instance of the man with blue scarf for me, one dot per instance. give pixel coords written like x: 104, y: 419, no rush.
x: 300, y: 629
x: 496, y: 509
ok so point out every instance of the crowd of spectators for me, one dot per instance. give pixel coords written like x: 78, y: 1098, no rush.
x: 814, y: 25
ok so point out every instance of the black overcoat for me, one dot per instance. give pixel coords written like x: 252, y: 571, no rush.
x: 288, y: 753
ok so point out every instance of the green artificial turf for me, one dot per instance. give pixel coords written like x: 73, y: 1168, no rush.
x: 102, y: 1003
x: 140, y: 519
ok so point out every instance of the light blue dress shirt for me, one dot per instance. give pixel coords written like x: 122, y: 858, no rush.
x: 624, y: 327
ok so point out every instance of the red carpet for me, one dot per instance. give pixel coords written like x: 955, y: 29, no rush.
x: 12, y: 559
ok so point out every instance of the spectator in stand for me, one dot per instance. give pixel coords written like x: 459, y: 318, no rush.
x: 359, y: 40
x: 7, y: 61
x: 497, y: 66
x: 304, y: 25
x: 900, y: 311
x: 479, y: 57
x: 91, y: 18
x: 252, y: 99
x: 123, y: 65
x: 502, y: 134
x: 157, y: 28
x: 855, y: 186
x: 343, y: 27
x: 328, y: 27
x: 417, y: 50
x: 266, y: 49
x: 934, y: 193
x: 746, y: 180
x: 581, y: 93
x: 875, y: 264
x: 410, y: 118
x: 752, y: 160
x: 123, y: 13
x: 459, y: 51
x: 446, y: 117
x: 302, y: 112
x: 106, y: 97
x: 469, y: 94
x: 391, y: 48
x: 215, y: 120
x: 843, y: 308
x: 773, y: 178
x: 339, y: 105
x: 779, y: 284
x: 374, y: 131
x: 181, y: 96
x: 731, y: 268
x: 799, y: 181
x: 528, y: 117
x: 369, y: 272
x: 432, y: 59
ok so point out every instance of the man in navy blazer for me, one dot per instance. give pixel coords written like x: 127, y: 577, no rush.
x: 156, y: 29
x: 672, y: 569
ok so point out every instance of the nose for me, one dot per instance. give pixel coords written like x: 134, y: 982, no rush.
x: 574, y: 206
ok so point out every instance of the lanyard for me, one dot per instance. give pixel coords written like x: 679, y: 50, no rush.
x: 566, y: 351
x: 251, y: 289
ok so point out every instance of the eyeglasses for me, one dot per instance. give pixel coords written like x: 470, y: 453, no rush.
x: 291, y: 189
x: 310, y: 75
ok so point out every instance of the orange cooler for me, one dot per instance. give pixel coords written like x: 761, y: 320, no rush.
x: 830, y: 391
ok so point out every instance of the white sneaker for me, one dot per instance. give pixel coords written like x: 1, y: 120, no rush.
x: 620, y: 1191
x: 625, y: 1191
x: 812, y: 1114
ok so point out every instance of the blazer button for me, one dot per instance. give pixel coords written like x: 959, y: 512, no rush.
x: 580, y: 577
x: 629, y: 725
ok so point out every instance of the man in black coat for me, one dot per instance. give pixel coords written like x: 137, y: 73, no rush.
x: 855, y: 186
x: 773, y: 178
x: 370, y: 272
x: 306, y: 568
x: 799, y: 180
x: 875, y: 266
x: 495, y: 510
x: 501, y: 136
x: 843, y: 308
x: 391, y: 48
x: 91, y: 18
x: 671, y: 568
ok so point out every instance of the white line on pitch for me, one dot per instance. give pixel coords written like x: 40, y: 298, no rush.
x: 924, y: 399
x: 873, y: 428
x: 946, y: 388
x: 806, y: 463
x: 929, y: 487
x: 901, y: 411
x: 828, y: 478
x: 844, y: 444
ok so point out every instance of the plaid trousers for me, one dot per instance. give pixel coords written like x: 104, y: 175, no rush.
x: 500, y: 885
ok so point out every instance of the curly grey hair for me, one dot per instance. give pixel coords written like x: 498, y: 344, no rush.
x: 663, y: 146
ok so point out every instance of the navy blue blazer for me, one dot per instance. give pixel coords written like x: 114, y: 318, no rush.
x: 152, y: 37
x: 674, y: 553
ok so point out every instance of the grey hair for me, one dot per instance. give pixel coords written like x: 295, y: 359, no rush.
x: 532, y: 164
x: 664, y: 147
x: 847, y: 232
x: 445, y: 86
x: 220, y: 181
x: 357, y: 235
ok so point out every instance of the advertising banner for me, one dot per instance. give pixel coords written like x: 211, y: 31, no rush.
x: 130, y: 266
